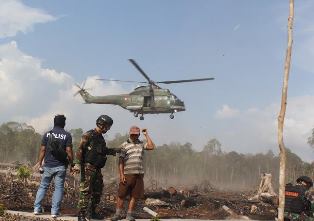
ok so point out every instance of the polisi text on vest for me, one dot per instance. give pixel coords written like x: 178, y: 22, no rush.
x: 58, y: 136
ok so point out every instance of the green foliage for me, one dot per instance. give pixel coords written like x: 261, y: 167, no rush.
x: 155, y: 219
x: 18, y: 142
x: 213, y: 147
x: 23, y: 172
x: 2, y: 209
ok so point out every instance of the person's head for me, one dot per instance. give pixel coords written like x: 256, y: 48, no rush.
x: 305, y: 181
x: 134, y: 133
x: 59, y: 121
x: 104, y: 123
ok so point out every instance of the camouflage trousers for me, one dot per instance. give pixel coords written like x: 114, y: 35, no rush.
x: 91, y: 187
x: 297, y: 217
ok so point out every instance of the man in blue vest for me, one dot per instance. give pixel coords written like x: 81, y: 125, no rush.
x: 54, y: 166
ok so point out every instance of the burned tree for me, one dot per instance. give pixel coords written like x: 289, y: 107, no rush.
x: 281, y: 116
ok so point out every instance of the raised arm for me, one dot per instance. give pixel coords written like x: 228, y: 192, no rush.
x: 150, y: 144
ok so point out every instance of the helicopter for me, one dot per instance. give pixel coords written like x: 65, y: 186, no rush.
x: 148, y: 99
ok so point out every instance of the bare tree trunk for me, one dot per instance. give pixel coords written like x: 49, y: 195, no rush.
x: 281, y: 116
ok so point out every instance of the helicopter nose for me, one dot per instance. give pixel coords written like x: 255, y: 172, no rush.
x: 181, y: 105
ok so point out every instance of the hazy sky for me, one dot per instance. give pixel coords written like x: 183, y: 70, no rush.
x: 47, y: 46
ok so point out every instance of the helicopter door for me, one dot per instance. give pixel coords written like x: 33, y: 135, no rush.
x: 147, y: 101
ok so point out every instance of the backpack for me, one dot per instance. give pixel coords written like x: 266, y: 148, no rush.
x: 295, y: 199
x: 56, y: 149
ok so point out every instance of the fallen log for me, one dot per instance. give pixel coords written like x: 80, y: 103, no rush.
x: 151, y: 212
x: 158, y: 195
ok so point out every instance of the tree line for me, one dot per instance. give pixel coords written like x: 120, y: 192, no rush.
x: 170, y: 164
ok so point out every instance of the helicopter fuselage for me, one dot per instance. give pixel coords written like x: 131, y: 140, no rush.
x: 143, y: 100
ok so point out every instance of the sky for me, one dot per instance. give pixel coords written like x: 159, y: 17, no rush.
x: 46, y: 47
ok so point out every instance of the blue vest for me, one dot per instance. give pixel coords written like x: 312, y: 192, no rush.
x: 66, y: 141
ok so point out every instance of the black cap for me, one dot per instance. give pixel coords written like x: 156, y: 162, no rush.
x: 306, y: 180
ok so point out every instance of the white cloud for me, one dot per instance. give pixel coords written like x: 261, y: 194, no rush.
x: 16, y: 17
x: 255, y: 130
x: 23, y: 79
x: 226, y: 112
x: 31, y: 93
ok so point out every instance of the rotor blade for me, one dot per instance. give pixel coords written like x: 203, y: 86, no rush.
x: 77, y: 85
x: 104, y: 79
x: 83, y: 85
x: 184, y: 81
x: 76, y: 93
x: 141, y: 71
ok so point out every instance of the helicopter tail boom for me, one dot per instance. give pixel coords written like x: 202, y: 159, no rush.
x: 89, y: 99
x: 110, y: 99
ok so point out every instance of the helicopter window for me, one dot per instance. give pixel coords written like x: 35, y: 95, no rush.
x: 168, y: 99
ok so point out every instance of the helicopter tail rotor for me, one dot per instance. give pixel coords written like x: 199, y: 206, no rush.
x: 81, y: 88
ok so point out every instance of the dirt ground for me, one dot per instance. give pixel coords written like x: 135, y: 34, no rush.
x: 194, y: 203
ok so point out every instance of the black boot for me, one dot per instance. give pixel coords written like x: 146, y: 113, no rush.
x: 82, y: 217
x: 95, y: 215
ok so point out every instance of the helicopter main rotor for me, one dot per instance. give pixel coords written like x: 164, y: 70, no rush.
x: 142, y: 72
x: 151, y: 82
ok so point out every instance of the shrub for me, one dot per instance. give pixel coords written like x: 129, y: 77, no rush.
x: 2, y: 208
x: 23, y: 173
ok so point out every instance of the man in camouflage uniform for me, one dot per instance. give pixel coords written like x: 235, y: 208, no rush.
x: 91, y: 156
x: 298, y: 202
